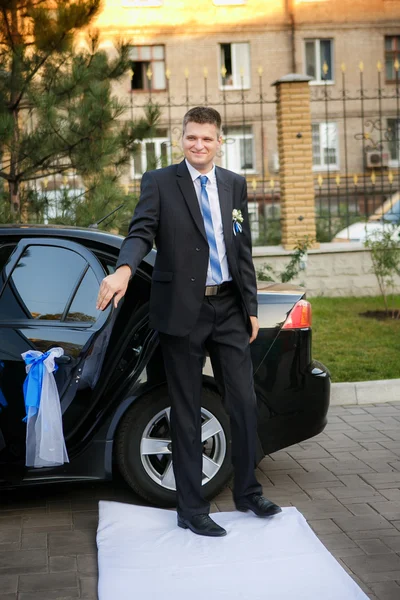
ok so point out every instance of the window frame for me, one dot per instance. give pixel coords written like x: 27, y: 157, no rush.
x: 91, y: 263
x: 319, y: 80
x: 327, y: 167
x: 155, y: 140
x: 151, y: 61
x: 238, y: 137
x: 237, y: 84
x: 394, y: 163
x: 393, y: 53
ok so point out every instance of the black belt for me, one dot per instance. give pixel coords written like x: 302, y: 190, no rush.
x: 214, y: 290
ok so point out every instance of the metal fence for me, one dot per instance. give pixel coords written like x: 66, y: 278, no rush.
x: 361, y: 163
x: 356, y: 146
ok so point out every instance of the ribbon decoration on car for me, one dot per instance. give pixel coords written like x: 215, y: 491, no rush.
x: 45, y: 445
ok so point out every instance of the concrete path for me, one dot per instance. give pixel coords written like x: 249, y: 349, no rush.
x: 346, y: 482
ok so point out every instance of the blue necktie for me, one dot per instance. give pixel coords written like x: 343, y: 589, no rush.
x: 216, y: 270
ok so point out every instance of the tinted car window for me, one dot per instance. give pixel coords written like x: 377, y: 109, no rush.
x: 83, y: 307
x: 41, y: 283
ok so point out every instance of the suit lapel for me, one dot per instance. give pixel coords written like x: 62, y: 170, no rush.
x: 226, y: 204
x: 189, y: 193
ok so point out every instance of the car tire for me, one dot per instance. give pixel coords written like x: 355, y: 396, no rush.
x: 146, y: 419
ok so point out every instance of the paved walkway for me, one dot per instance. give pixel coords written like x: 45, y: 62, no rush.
x: 346, y: 482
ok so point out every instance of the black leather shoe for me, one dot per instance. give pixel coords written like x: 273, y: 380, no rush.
x: 202, y: 525
x: 259, y: 505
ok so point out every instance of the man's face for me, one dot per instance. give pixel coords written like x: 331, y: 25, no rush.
x: 200, y: 143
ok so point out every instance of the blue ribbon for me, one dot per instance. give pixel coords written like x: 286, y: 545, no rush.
x: 3, y: 401
x: 237, y: 228
x: 33, y: 383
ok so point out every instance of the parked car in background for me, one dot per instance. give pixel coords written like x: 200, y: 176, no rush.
x: 111, y: 378
x: 385, y: 218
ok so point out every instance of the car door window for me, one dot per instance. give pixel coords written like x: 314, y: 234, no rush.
x: 41, y: 283
x: 83, y: 307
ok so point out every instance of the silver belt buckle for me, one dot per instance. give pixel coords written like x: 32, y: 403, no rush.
x: 211, y: 290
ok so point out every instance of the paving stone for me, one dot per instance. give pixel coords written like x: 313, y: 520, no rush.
x: 23, y: 561
x: 344, y: 552
x: 334, y: 541
x: 10, y: 536
x: 383, y: 480
x: 360, y: 510
x: 87, y: 564
x: 323, y: 509
x: 49, y: 521
x: 367, y: 566
x: 346, y: 467
x: 88, y: 587
x: 72, y: 542
x: 85, y: 520
x: 373, y: 546
x: 10, y: 522
x: 8, y: 583
x: 29, y: 541
x: 316, y: 452
x: 66, y: 594
x: 305, y: 480
x: 367, y: 534
x: 59, y: 564
x: 324, y: 526
x: 387, y: 591
x: 369, y: 523
x: 48, y: 581
x: 389, y: 510
x: 391, y: 494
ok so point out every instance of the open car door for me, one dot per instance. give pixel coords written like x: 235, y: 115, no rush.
x: 48, y: 291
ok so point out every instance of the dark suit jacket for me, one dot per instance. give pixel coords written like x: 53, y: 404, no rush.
x: 168, y: 211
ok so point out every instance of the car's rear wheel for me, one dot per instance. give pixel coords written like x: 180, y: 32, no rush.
x: 143, y: 447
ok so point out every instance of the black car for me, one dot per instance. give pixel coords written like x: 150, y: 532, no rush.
x: 111, y: 379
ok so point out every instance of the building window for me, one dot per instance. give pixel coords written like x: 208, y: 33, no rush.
x: 238, y: 149
x: 141, y: 3
x: 235, y: 59
x: 319, y: 59
x: 325, y: 146
x: 151, y: 154
x: 392, y: 52
x: 148, y: 68
x: 393, y: 135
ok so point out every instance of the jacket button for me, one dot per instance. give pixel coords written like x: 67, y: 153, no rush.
x: 197, y: 249
x: 192, y: 279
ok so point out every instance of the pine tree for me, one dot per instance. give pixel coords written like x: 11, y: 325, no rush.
x: 57, y: 111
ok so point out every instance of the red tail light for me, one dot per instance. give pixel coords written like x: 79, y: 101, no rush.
x: 299, y: 317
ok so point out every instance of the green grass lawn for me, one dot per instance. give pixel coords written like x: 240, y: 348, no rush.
x: 355, y: 348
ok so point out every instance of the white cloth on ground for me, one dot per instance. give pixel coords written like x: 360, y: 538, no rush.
x: 143, y: 554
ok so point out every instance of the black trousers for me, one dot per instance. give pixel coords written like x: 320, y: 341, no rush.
x: 220, y: 329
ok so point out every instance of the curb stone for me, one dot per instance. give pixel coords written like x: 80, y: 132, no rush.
x: 365, y: 392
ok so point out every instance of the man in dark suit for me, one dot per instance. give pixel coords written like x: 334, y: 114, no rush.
x: 203, y: 297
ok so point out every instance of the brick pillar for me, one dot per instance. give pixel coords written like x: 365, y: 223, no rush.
x: 295, y: 159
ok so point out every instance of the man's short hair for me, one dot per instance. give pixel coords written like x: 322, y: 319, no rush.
x: 203, y: 114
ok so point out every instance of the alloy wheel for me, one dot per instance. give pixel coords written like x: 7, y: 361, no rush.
x: 155, y: 448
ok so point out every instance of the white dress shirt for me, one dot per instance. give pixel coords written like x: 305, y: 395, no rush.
x: 212, y: 192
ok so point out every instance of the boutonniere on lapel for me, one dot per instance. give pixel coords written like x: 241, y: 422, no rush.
x: 237, y: 219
